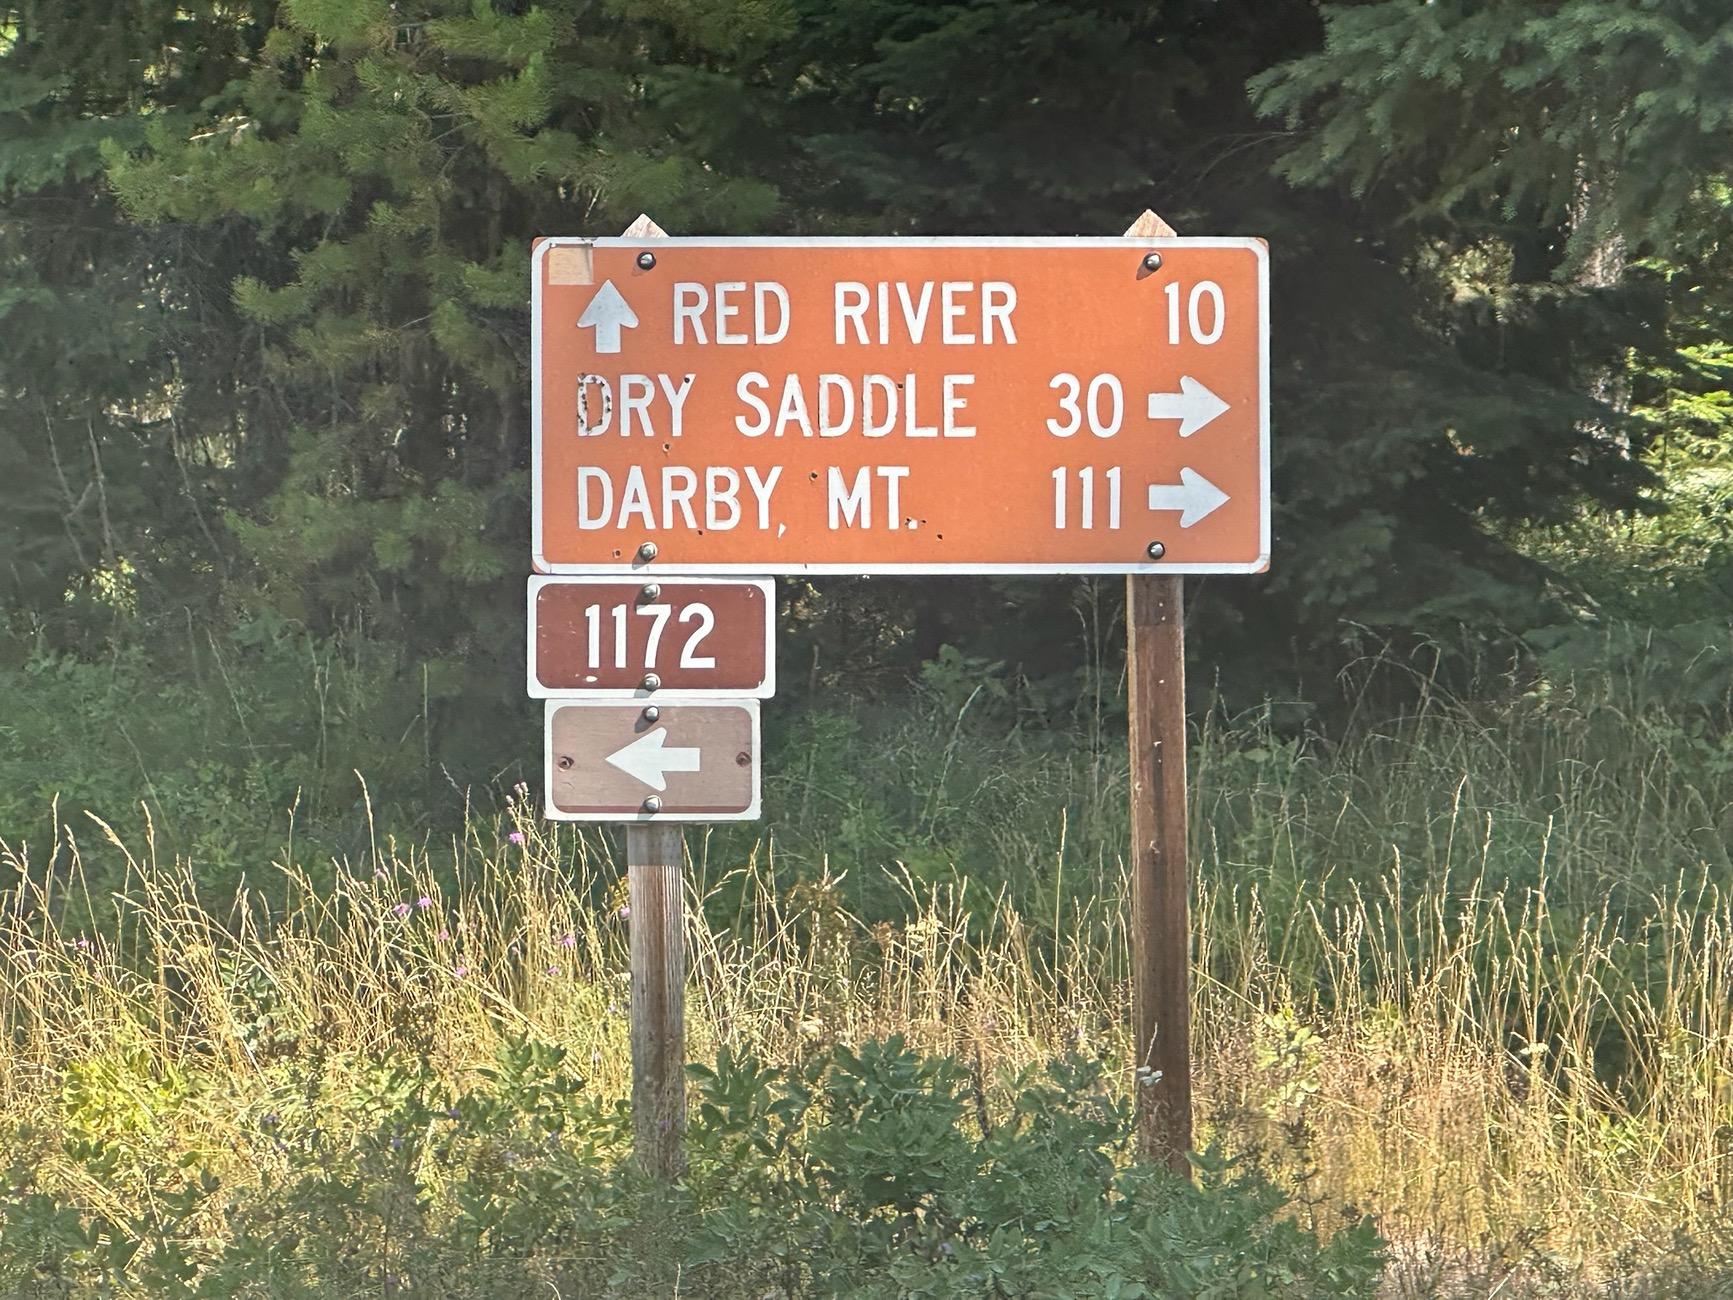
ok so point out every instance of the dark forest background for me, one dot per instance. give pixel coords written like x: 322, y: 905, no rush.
x: 263, y: 438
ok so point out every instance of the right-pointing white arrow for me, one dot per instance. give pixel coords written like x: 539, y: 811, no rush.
x: 1193, y: 406
x: 648, y: 760
x: 1194, y: 496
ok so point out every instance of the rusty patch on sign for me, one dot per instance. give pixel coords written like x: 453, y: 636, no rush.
x: 570, y: 264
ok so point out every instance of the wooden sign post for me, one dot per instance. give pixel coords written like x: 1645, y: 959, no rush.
x: 656, y: 899
x: 656, y: 894
x: 1160, y: 867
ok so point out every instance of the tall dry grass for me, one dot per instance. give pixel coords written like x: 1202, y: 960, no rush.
x: 1498, y: 1091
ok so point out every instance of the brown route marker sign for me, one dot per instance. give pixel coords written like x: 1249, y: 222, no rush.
x: 901, y: 405
x: 622, y: 639
x: 676, y: 761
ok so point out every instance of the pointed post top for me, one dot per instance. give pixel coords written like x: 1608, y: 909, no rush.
x: 1147, y: 226
x: 643, y: 228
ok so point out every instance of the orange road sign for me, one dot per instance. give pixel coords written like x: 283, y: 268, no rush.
x: 638, y: 638
x: 901, y: 405
x: 644, y: 762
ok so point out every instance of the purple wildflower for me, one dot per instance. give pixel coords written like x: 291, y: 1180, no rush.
x: 460, y: 971
x: 424, y: 902
x: 402, y: 909
x: 516, y: 837
x: 568, y: 940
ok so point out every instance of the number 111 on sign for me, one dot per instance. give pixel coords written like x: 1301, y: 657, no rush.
x: 1086, y: 498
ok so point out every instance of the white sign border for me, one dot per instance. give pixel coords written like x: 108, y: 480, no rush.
x: 791, y: 568
x: 674, y: 694
x: 754, y: 812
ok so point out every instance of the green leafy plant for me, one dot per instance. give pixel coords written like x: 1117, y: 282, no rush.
x: 866, y: 1173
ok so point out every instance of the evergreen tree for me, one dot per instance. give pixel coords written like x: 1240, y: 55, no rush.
x: 1569, y: 165
x: 387, y: 166
x: 1429, y: 377
x: 1607, y: 118
x: 266, y: 266
x: 106, y: 413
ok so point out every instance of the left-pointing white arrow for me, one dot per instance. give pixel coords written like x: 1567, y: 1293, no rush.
x: 648, y: 759
x: 1193, y: 406
x: 607, y: 314
x: 1194, y: 496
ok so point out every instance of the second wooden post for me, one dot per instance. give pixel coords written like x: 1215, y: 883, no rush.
x: 1160, y: 870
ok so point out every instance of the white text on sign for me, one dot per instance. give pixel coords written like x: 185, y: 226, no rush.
x: 957, y: 312
x: 870, y: 405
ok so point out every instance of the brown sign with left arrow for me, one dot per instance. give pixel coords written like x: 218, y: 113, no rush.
x: 641, y: 762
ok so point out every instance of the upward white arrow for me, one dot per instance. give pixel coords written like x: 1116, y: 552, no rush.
x: 607, y: 314
x: 647, y: 759
x: 1193, y: 406
x: 1194, y: 496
